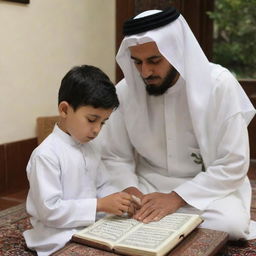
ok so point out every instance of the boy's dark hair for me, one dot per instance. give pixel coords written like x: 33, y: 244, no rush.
x: 88, y: 86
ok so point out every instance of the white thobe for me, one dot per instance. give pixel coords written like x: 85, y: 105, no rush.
x: 163, y: 145
x: 65, y: 179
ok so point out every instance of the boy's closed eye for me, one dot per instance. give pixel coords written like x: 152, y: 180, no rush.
x: 91, y: 120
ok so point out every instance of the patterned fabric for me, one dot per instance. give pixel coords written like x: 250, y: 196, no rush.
x: 14, y: 221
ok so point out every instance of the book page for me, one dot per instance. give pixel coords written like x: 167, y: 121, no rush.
x: 109, y: 229
x: 153, y: 235
x: 146, y: 237
x: 174, y: 221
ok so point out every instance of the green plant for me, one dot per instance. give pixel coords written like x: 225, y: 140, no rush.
x: 235, y: 36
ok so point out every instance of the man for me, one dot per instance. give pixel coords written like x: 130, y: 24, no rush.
x: 179, y: 139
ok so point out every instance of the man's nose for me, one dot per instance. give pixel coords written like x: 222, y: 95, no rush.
x: 146, y: 70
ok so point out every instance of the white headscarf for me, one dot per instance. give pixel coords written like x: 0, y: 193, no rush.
x: 178, y: 45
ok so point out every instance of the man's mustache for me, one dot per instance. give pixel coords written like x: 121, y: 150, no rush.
x: 150, y: 78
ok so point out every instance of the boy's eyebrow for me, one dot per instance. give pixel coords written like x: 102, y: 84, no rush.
x: 96, y: 116
x: 93, y: 115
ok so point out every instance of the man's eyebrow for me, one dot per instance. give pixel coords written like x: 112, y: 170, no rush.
x: 154, y: 57
x: 149, y: 58
x: 134, y: 58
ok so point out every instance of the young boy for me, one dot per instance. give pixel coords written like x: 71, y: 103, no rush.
x: 68, y: 182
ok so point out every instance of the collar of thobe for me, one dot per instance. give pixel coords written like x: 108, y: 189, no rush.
x: 65, y: 137
x: 178, y: 45
x: 176, y: 87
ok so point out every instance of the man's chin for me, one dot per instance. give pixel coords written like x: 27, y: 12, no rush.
x: 154, y: 90
x: 152, y: 85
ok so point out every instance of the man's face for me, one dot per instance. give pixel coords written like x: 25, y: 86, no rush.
x: 157, y: 73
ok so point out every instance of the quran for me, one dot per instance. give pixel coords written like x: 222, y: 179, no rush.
x: 127, y: 236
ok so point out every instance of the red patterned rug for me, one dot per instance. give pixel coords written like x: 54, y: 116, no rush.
x: 14, y: 221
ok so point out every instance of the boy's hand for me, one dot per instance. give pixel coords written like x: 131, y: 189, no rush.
x: 117, y: 203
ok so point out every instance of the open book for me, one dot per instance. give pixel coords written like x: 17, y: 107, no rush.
x: 129, y: 237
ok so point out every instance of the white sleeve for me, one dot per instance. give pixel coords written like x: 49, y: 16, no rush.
x: 118, y: 153
x: 104, y: 187
x: 227, y: 172
x: 45, y: 199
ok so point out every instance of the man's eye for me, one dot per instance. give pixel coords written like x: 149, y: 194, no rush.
x: 90, y: 120
x: 137, y: 62
x: 155, y: 61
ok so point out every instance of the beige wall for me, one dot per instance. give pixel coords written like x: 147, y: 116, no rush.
x: 39, y: 43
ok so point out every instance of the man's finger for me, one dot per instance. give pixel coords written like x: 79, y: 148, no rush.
x: 160, y: 215
x: 147, y: 198
x: 152, y: 217
x: 143, y: 212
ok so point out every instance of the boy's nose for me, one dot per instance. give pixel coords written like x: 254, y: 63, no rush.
x: 96, y: 130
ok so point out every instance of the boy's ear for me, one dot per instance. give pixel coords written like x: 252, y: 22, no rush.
x: 63, y: 108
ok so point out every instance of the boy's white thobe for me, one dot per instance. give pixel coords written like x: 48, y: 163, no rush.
x: 65, y: 179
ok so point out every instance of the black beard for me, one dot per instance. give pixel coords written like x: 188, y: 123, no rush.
x: 168, y: 82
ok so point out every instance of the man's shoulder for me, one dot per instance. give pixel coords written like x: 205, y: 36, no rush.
x: 222, y: 78
x: 122, y: 90
x: 121, y: 83
x: 121, y: 87
x: 218, y: 71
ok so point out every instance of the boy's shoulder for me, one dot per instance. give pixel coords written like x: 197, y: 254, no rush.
x: 49, y: 147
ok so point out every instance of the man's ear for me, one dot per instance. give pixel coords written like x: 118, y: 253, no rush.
x: 63, y: 108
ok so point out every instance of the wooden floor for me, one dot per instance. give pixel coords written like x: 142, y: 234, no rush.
x: 13, y: 199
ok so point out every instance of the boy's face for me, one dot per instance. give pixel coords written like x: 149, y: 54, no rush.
x: 85, y: 123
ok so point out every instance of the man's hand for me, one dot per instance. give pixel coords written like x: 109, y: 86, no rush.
x: 136, y: 199
x: 157, y: 205
x: 134, y: 191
